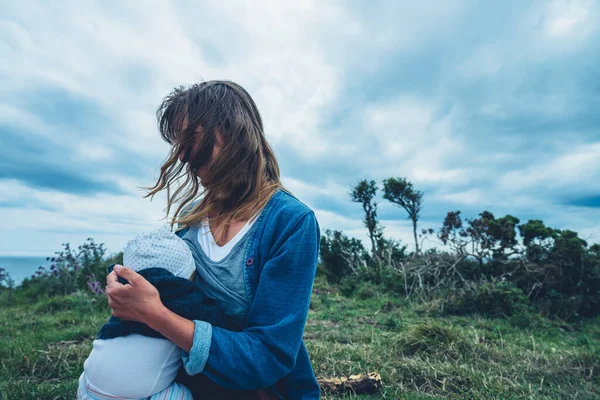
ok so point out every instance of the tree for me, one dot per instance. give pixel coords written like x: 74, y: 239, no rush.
x: 492, y: 237
x: 401, y: 192
x: 538, y: 240
x: 364, y: 192
x: 503, y: 231
x: 595, y: 249
x: 483, y: 238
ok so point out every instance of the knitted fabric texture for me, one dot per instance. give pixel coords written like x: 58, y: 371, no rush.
x: 159, y: 248
x: 182, y: 296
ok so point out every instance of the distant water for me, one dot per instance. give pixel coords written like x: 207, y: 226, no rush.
x: 20, y: 268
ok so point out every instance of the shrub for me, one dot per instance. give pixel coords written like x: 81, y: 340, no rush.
x: 367, y: 290
x: 340, y: 255
x: 351, y: 284
x: 7, y: 285
x: 493, y: 299
x: 84, y: 269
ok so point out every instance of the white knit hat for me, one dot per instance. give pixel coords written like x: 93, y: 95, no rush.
x: 159, y: 248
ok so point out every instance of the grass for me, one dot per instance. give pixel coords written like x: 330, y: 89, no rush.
x: 452, y: 357
x: 419, y: 355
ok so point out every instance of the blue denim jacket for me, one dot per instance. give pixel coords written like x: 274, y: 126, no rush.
x: 279, y: 271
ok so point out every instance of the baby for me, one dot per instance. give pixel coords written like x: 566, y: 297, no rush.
x: 129, y: 360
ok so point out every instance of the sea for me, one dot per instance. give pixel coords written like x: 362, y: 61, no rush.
x: 21, y: 267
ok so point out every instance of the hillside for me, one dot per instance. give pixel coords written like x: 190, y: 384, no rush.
x: 419, y: 356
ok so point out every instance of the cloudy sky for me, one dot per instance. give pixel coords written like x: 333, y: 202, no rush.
x: 482, y: 105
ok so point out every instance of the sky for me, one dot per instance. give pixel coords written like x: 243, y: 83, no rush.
x: 481, y: 105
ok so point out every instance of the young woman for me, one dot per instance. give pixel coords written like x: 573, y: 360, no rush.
x: 255, y: 246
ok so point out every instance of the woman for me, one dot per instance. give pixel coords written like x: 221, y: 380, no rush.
x: 254, y: 243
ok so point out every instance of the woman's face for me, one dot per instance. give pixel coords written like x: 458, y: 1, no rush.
x: 216, y: 149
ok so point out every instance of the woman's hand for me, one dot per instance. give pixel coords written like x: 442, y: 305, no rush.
x: 136, y: 301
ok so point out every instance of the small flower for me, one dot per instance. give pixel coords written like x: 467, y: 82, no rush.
x: 94, y: 285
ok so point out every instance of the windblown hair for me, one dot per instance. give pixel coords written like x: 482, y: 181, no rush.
x: 242, y: 177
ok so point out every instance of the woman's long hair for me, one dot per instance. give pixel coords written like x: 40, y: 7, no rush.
x: 243, y: 176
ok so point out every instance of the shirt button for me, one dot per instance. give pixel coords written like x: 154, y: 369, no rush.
x: 249, y: 261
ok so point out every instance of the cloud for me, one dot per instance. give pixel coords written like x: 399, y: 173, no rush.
x: 481, y: 105
x: 570, y: 20
x: 573, y: 171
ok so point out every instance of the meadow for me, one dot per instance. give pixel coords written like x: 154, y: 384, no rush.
x: 419, y: 355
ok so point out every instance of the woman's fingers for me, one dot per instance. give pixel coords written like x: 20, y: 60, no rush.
x: 129, y: 274
x: 118, y: 297
x: 134, y: 301
x: 111, y: 279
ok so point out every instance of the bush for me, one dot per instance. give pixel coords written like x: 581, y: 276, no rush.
x: 493, y: 299
x: 367, y: 290
x: 7, y: 287
x: 84, y: 269
x: 557, y: 304
x: 340, y: 255
x: 350, y: 285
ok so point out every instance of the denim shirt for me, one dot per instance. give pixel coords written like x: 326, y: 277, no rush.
x: 279, y: 268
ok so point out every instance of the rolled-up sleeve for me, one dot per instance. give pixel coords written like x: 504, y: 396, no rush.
x: 195, y: 360
x: 266, y: 349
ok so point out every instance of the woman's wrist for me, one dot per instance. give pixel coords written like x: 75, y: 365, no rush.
x: 155, y: 316
x: 177, y: 329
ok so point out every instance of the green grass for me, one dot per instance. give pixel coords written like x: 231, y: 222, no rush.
x: 419, y: 355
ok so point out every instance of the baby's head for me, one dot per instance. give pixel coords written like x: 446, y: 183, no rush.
x: 160, y: 248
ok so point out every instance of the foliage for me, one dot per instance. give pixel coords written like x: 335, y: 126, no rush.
x: 7, y: 285
x: 401, y: 192
x: 484, y: 238
x: 494, y: 299
x: 364, y: 192
x: 489, y: 272
x: 340, y: 255
x: 70, y: 270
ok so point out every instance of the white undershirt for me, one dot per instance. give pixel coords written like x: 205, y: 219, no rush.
x: 211, y: 248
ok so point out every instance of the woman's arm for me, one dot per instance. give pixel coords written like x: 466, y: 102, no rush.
x: 140, y: 301
x: 266, y: 350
